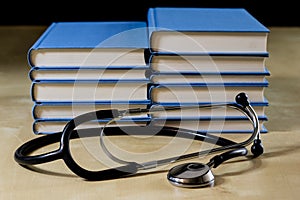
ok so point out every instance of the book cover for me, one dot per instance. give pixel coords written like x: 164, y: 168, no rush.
x: 69, y: 44
x: 204, y: 19
x: 207, y: 30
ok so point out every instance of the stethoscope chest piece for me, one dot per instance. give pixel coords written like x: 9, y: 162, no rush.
x: 191, y: 175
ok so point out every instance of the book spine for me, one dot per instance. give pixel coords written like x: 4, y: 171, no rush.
x: 33, y: 111
x: 152, y: 25
x: 38, y: 42
x: 151, y: 20
x: 32, y: 93
x: 30, y: 76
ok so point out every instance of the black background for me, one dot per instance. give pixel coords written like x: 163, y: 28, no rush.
x: 270, y: 13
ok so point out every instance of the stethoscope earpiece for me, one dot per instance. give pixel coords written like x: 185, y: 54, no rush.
x: 257, y: 148
x: 242, y: 99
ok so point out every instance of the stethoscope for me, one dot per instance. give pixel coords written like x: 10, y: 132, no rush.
x: 192, y: 174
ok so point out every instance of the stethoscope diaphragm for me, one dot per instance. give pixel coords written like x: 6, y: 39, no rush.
x: 191, y: 175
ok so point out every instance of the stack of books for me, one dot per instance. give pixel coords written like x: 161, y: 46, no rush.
x: 78, y: 67
x: 179, y: 56
x: 201, y: 56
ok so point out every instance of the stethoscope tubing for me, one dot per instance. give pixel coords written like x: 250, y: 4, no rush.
x: 23, y: 157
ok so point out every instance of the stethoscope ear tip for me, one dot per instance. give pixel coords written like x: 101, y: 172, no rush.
x: 242, y: 99
x: 257, y: 148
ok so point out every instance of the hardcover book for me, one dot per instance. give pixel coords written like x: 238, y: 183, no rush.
x: 90, y: 91
x: 192, y: 111
x: 206, y: 30
x: 207, y: 78
x: 67, y: 111
x: 55, y: 126
x: 92, y: 44
x: 205, y: 93
x: 92, y: 74
x: 237, y: 125
x: 207, y: 64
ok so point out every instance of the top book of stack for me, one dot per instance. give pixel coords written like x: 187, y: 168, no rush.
x: 211, y: 31
x: 90, y: 44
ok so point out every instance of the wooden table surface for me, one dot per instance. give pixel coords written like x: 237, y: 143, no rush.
x: 274, y: 175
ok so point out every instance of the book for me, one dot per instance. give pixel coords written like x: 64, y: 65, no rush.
x: 90, y: 91
x: 67, y: 111
x: 90, y: 44
x: 237, y: 125
x: 84, y: 74
x: 207, y: 64
x: 226, y: 78
x: 217, y: 112
x: 40, y: 127
x: 205, y: 93
x: 205, y: 30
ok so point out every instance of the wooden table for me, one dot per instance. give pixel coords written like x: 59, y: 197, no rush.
x: 274, y: 175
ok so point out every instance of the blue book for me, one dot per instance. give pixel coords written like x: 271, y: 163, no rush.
x: 202, y: 111
x: 221, y: 125
x: 56, y: 125
x: 205, y: 30
x: 90, y: 44
x: 90, y: 91
x: 207, y: 64
x: 128, y: 73
x: 226, y: 78
x: 206, y: 93
x: 67, y: 111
